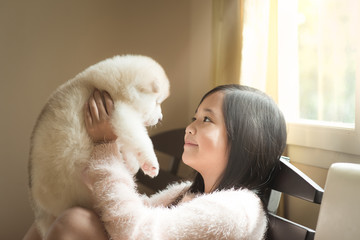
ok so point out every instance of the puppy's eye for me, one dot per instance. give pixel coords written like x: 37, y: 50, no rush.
x: 193, y: 119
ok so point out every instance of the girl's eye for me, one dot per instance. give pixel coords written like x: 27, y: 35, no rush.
x: 206, y: 119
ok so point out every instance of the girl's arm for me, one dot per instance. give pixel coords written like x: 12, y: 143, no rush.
x: 220, y: 215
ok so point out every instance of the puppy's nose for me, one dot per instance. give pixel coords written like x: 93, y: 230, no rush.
x: 160, y: 118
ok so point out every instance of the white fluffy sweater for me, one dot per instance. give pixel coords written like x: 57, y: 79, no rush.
x: 230, y: 214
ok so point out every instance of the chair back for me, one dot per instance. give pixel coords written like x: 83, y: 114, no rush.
x: 291, y: 181
x: 339, y: 216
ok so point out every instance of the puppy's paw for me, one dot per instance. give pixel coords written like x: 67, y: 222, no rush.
x: 148, y: 163
x: 150, y: 170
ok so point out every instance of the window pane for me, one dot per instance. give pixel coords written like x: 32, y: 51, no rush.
x: 328, y: 39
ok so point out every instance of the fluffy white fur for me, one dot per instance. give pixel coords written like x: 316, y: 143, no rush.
x: 60, y: 146
x: 230, y: 214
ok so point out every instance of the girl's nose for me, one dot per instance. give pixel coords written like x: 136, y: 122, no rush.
x: 190, y: 129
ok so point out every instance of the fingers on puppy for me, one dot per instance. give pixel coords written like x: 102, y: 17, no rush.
x: 99, y: 106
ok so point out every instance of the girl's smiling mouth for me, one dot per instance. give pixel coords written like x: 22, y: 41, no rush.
x: 189, y: 143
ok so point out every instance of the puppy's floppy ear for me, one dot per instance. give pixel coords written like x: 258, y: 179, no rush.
x: 149, y: 87
x: 155, y: 87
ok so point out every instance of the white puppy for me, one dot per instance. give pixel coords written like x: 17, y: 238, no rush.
x: 60, y: 145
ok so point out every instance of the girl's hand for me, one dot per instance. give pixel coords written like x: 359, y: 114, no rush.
x: 98, y: 111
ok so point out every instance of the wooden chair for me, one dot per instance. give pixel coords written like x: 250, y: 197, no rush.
x: 291, y: 181
x: 288, y: 180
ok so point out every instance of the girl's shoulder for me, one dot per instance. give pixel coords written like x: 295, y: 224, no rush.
x: 240, y: 211
x: 234, y: 195
x: 232, y: 198
x: 169, y: 194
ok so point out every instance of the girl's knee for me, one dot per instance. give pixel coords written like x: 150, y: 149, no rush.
x: 77, y: 223
x: 79, y: 215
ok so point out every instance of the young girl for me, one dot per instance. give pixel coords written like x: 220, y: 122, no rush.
x: 234, y: 143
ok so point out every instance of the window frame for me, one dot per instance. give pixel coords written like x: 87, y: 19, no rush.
x: 313, y: 134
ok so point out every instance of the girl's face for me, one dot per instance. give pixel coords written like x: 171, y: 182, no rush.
x: 206, y: 143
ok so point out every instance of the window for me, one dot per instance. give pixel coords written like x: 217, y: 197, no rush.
x: 319, y: 72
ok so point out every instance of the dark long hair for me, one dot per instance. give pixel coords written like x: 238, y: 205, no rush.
x: 256, y: 133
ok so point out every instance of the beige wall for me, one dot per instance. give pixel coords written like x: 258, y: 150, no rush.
x: 44, y: 43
